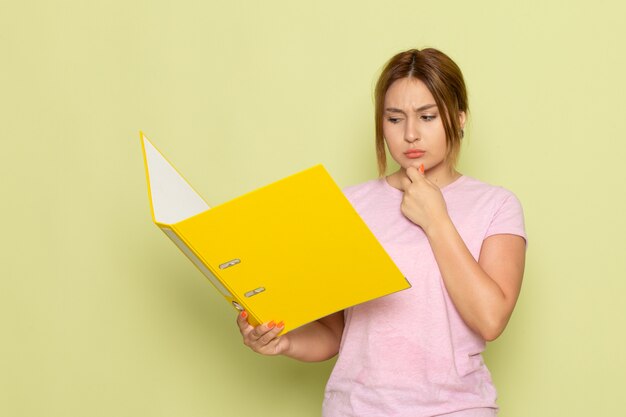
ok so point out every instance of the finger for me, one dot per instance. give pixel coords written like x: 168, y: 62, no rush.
x: 276, y: 346
x: 242, y: 322
x: 405, y: 183
x: 271, y: 335
x: 413, y: 174
x: 260, y: 330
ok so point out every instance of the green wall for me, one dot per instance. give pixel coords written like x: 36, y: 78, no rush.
x: 101, y: 316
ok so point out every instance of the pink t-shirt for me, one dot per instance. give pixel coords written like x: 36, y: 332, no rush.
x: 410, y: 353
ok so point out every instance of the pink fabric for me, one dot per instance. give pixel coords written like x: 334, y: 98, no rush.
x: 410, y: 353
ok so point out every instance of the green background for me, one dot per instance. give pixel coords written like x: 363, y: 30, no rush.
x: 100, y: 315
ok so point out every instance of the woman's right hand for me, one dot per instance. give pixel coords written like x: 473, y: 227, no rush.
x: 263, y: 338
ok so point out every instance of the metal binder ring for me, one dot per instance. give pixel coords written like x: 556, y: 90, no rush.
x: 230, y: 263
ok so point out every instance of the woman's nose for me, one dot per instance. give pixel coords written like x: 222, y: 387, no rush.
x: 410, y: 132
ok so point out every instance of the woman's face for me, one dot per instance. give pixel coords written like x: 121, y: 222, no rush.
x: 413, y: 127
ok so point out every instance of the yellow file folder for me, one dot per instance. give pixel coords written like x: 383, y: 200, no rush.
x: 295, y: 250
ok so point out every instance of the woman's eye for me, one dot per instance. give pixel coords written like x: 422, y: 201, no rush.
x: 428, y: 117
x: 393, y: 120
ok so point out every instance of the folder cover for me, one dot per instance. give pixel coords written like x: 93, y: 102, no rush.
x: 294, y: 250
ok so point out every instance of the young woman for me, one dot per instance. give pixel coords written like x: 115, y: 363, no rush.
x: 460, y: 242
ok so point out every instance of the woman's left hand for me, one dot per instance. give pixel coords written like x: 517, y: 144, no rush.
x: 423, y: 202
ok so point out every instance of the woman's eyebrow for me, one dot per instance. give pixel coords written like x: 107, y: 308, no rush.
x: 426, y: 107
x: 394, y: 110
x: 422, y: 108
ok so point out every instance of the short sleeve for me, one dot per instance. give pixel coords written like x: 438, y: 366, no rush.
x: 508, y: 218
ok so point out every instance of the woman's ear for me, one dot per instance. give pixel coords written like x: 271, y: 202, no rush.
x: 462, y: 119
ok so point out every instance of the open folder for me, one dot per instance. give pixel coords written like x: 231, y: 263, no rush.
x: 292, y: 251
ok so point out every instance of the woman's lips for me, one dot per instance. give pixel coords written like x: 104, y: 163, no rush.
x: 414, y: 153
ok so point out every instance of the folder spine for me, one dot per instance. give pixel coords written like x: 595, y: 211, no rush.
x: 211, y: 273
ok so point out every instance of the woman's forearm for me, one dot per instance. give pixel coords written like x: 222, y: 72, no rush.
x: 479, y: 298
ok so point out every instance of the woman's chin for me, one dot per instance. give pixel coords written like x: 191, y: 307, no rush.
x: 415, y: 163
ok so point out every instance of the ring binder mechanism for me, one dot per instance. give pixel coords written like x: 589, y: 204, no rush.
x: 229, y: 264
x: 314, y: 253
x: 254, y: 292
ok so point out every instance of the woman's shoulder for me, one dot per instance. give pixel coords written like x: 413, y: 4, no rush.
x: 498, y: 205
x: 478, y: 188
x: 476, y: 197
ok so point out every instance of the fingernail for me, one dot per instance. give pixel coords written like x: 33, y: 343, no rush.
x: 280, y: 325
x: 422, y: 168
x: 244, y: 314
x: 271, y: 324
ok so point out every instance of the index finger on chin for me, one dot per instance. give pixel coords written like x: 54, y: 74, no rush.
x: 413, y: 174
